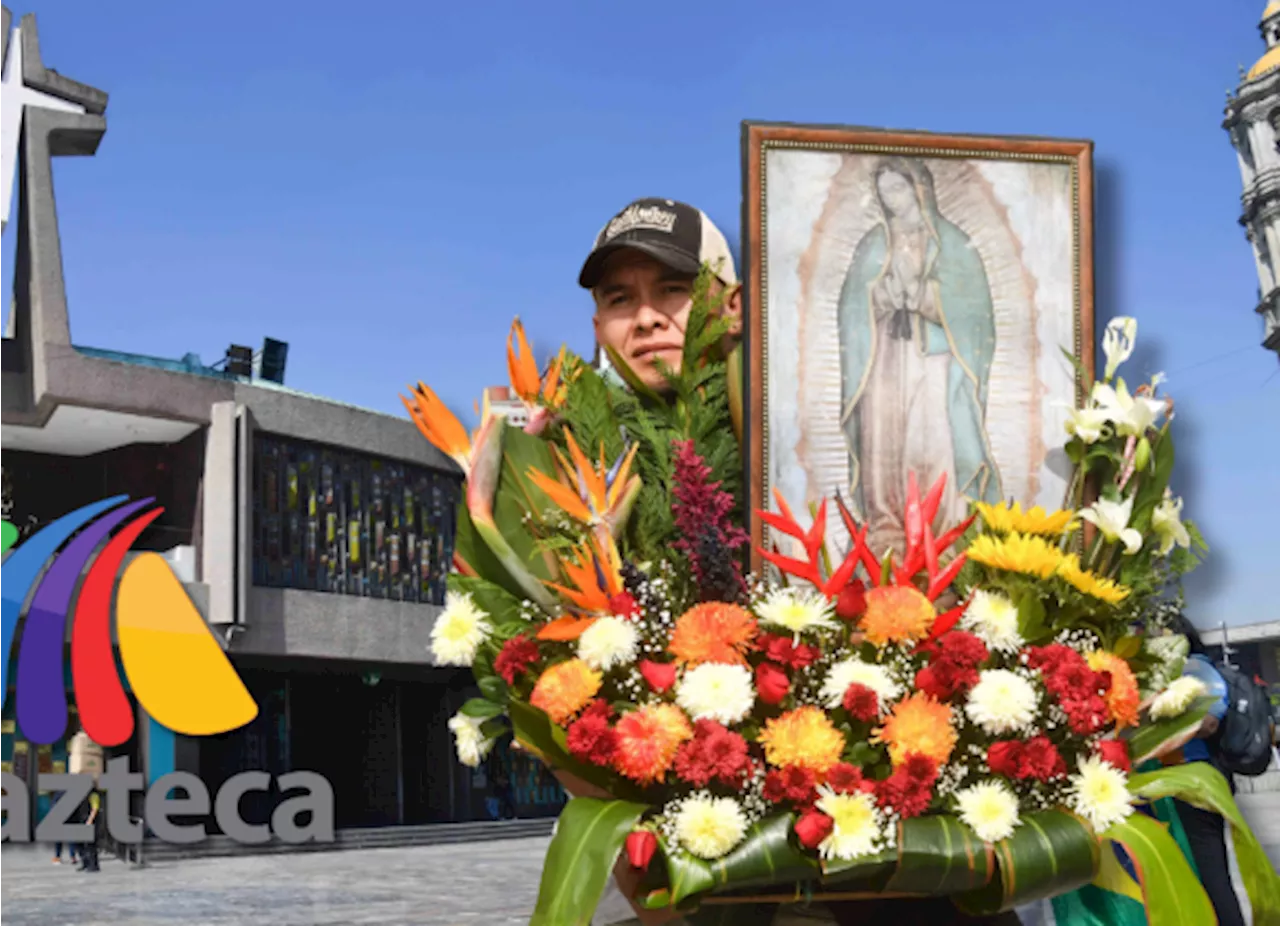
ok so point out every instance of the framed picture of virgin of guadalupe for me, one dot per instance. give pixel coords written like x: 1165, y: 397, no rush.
x: 909, y: 297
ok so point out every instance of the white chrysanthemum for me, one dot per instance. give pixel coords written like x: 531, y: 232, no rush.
x: 1002, y: 702
x: 796, y: 610
x: 717, y: 692
x: 1174, y: 700
x: 710, y: 827
x: 993, y: 619
x: 1100, y: 793
x: 471, y: 745
x: 459, y: 631
x: 990, y: 809
x: 851, y: 671
x: 607, y: 643
x: 858, y: 827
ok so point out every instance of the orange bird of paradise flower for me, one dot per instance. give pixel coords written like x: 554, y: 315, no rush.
x: 595, y: 570
x: 439, y: 425
x: 596, y: 495
x: 534, y: 390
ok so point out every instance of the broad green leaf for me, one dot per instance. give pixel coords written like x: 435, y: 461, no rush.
x: 534, y: 730
x: 1151, y: 488
x: 869, y: 873
x: 1153, y: 738
x: 501, y: 606
x: 482, y: 709
x: 580, y: 860
x: 472, y: 550
x: 1200, y: 785
x: 493, y: 688
x: 1128, y: 647
x: 493, y: 728
x: 686, y: 876
x: 517, y: 497
x: 1050, y: 853
x: 940, y: 855
x: 1172, y: 894
x: 1031, y: 616
x: 766, y: 855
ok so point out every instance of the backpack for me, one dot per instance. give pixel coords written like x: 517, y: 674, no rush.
x: 1244, y: 740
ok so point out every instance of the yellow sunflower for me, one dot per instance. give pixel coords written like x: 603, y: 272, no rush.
x: 1094, y: 586
x: 1011, y: 519
x: 1027, y: 554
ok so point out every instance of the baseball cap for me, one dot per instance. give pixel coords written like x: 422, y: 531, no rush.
x: 673, y: 233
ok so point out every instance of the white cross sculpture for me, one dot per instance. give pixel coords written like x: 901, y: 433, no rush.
x: 15, y: 97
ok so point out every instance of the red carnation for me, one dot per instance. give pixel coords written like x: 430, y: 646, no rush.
x: 590, y: 738
x: 623, y: 604
x: 843, y: 778
x: 516, y: 656
x: 772, y: 684
x: 791, y: 783
x: 861, y: 702
x: 641, y: 844
x: 785, y: 652
x: 1003, y: 757
x: 1040, y: 760
x: 852, y: 601
x: 906, y: 796
x: 813, y: 827
x: 659, y: 675
x: 961, y: 648
x: 920, y: 769
x: 714, y: 753
x: 1116, y: 752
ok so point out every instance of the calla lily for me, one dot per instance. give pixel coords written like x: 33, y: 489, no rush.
x: 1086, y: 423
x: 1166, y: 521
x: 1117, y: 343
x: 1112, y: 518
x: 1130, y: 414
x: 592, y: 495
x: 439, y: 425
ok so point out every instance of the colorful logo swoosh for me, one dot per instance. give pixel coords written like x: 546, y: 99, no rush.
x: 174, y: 666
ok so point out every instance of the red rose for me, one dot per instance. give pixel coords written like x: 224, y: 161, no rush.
x: 623, y: 605
x: 1003, y: 757
x: 659, y: 675
x: 1116, y: 752
x: 861, y: 702
x: 772, y: 683
x: 813, y: 827
x: 852, y: 601
x: 641, y: 844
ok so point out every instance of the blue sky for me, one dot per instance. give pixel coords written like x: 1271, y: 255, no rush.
x: 384, y: 190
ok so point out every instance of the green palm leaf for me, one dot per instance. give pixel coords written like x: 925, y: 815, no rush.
x: 1201, y: 785
x: 580, y: 860
x: 1156, y: 737
x: 940, y: 855
x: 1171, y: 892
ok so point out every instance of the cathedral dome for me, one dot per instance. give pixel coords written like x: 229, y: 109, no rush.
x: 1272, y: 9
x: 1268, y: 62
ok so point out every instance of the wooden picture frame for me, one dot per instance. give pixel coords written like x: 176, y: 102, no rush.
x: 962, y: 300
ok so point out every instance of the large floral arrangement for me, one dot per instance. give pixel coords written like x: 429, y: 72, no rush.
x: 964, y: 719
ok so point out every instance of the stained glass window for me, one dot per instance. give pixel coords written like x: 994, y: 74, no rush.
x: 334, y: 521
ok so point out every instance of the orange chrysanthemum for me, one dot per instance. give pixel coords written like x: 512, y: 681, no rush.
x: 648, y: 740
x: 1122, y: 698
x: 713, y: 632
x: 565, y: 688
x: 804, y: 737
x: 918, y: 724
x: 897, y: 614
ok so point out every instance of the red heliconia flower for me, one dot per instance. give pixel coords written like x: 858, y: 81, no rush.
x: 516, y: 656
x: 861, y: 702
x: 772, y: 683
x: 641, y: 844
x: 813, y: 827
x: 659, y: 675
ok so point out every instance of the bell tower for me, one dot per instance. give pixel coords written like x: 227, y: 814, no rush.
x: 1253, y: 123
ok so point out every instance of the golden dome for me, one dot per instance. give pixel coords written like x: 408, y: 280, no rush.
x: 1272, y: 9
x: 1268, y: 62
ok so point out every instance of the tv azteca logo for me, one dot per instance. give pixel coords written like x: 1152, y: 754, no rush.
x: 175, y: 668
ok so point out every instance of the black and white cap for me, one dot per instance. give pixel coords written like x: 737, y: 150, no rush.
x: 672, y: 233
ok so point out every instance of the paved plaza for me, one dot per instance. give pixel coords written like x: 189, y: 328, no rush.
x: 492, y: 883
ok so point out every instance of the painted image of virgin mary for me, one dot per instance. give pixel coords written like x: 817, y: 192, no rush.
x: 917, y: 334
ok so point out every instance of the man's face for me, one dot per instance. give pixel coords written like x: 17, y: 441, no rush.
x: 642, y: 308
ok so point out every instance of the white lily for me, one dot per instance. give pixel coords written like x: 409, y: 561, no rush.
x: 1130, y: 414
x: 1112, y: 518
x: 1086, y: 423
x: 1117, y: 342
x: 1166, y: 521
